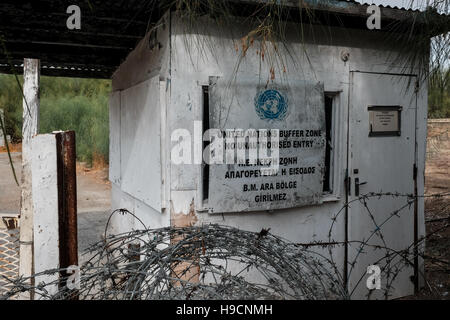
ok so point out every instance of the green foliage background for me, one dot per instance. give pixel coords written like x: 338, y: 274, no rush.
x: 66, y: 104
x: 439, y: 94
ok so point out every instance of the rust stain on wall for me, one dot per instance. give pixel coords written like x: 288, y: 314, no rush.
x: 187, y: 271
x: 182, y: 220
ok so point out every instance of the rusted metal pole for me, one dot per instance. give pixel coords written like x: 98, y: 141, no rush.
x: 67, y: 203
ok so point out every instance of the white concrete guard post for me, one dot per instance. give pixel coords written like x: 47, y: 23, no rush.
x: 31, y: 75
x: 45, y: 208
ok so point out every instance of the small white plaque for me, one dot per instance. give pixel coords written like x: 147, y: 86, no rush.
x: 385, y: 120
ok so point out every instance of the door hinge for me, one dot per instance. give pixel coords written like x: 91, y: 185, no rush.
x: 416, y: 86
x: 415, y: 170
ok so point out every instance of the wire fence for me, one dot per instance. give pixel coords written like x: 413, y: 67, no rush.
x: 9, y: 255
x: 207, y: 262
x: 219, y: 262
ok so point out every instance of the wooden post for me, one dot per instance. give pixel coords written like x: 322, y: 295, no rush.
x: 31, y: 75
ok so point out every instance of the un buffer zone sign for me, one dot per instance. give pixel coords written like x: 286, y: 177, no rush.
x: 290, y: 116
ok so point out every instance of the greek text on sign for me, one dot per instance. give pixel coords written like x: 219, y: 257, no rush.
x: 288, y: 117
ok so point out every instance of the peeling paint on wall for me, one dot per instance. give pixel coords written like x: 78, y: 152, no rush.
x: 181, y: 219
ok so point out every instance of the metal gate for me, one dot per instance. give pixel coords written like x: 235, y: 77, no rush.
x: 9, y: 250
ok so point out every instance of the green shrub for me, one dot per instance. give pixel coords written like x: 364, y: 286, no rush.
x: 86, y: 116
x: 11, y: 103
x: 66, y: 104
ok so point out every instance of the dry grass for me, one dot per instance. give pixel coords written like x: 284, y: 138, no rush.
x: 17, y: 147
x: 437, y: 213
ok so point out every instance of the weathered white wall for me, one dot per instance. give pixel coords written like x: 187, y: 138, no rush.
x: 145, y: 62
x: 114, y: 138
x: 192, y: 56
x: 192, y: 67
x: 140, y: 141
x: 136, y: 170
x: 300, y: 225
x: 45, y: 208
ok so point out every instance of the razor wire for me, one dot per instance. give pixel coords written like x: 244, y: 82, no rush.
x: 220, y: 262
x: 197, y: 263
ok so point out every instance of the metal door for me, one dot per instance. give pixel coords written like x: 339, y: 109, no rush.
x: 381, y: 174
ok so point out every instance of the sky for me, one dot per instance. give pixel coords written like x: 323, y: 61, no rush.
x: 397, y: 3
x: 414, y: 4
x: 388, y: 2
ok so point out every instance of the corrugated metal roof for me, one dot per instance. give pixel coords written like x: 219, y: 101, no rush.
x: 341, y: 4
x: 386, y: 6
x: 112, y: 28
x: 357, y: 7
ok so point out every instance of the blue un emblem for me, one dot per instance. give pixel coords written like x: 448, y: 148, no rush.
x: 271, y: 105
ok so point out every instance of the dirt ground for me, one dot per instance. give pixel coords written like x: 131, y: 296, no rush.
x: 93, y: 190
x: 9, y: 190
x: 92, y: 187
x: 437, y: 212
